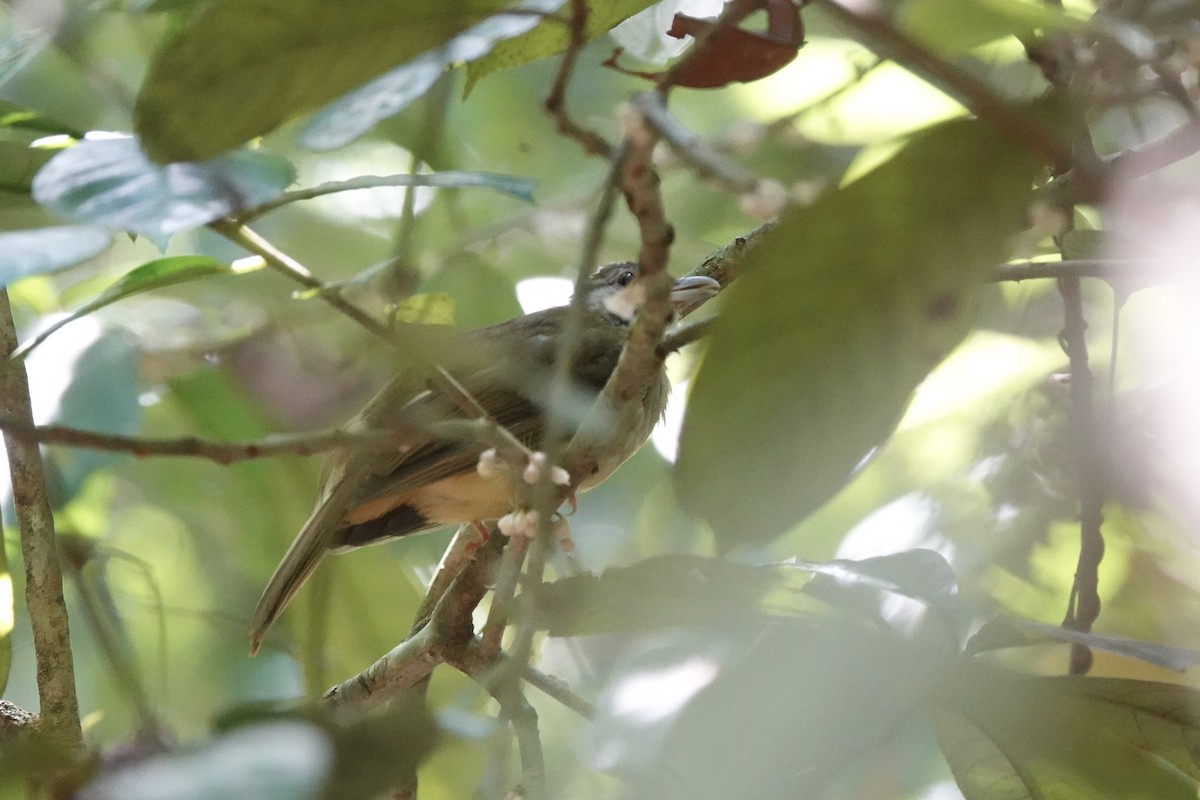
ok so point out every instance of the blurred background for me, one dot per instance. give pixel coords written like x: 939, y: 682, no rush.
x: 171, y: 553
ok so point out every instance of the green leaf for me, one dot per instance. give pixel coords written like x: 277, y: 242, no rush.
x: 1159, y: 718
x: 151, y: 275
x: 955, y: 26
x: 352, y: 115
x: 850, y: 303
x: 1014, y: 737
x: 1011, y: 632
x: 43, y: 250
x: 662, y: 592
x: 110, y: 182
x: 19, y: 162
x: 240, y: 68
x: 550, y: 37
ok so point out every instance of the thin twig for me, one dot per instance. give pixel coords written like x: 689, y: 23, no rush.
x: 293, y: 269
x: 556, y: 102
x: 704, y: 160
x: 887, y: 41
x: 685, y: 335
x: 1084, y: 605
x: 557, y: 689
x: 1081, y: 268
x: 451, y: 179
x: 43, y: 572
x: 1136, y: 162
x: 502, y: 595
x: 491, y: 673
x: 304, y: 444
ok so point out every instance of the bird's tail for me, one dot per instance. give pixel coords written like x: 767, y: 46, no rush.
x: 300, y: 560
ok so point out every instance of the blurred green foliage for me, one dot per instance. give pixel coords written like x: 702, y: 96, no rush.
x: 740, y: 677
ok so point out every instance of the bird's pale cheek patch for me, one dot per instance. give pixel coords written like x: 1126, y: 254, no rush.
x: 627, y: 301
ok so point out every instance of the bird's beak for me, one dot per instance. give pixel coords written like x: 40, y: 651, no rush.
x: 692, y: 290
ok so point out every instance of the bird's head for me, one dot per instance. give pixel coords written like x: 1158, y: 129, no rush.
x: 614, y: 289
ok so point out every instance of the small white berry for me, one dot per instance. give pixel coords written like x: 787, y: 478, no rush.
x: 508, y: 524
x: 533, y: 471
x: 488, y: 465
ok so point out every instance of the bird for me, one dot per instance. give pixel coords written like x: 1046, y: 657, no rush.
x: 371, y: 495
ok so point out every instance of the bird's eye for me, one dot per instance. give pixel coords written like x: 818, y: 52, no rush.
x: 625, y: 278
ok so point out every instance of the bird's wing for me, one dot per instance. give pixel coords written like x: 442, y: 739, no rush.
x: 439, y: 459
x: 353, y: 476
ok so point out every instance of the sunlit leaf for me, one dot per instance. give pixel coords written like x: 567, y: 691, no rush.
x: 240, y: 68
x: 1012, y: 632
x: 849, y: 304
x: 550, y: 37
x: 152, y: 275
x: 349, y: 117
x: 959, y: 25
x: 1008, y: 736
x: 44, y: 250
x: 110, y: 182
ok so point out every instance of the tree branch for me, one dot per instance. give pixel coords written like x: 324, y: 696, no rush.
x: 44, y: 601
x: 303, y: 444
x: 448, y: 630
x: 556, y: 102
